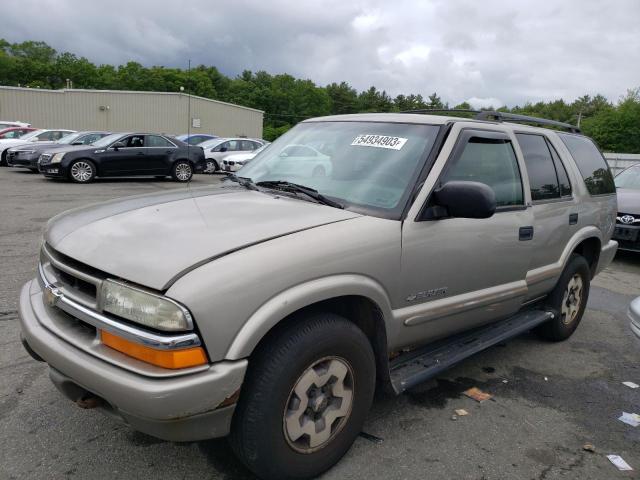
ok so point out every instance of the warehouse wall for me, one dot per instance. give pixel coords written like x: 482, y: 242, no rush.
x: 126, y: 111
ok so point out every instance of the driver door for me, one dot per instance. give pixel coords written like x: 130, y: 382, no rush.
x: 126, y: 160
x: 460, y: 273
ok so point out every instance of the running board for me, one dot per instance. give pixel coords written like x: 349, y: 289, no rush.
x: 419, y: 365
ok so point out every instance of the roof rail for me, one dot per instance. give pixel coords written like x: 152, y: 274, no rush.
x: 441, y: 110
x: 512, y: 117
x: 500, y: 117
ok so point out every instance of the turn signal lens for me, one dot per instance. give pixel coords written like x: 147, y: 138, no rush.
x: 174, y: 359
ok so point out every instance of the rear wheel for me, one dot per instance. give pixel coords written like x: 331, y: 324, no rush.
x: 82, y: 171
x: 305, y: 398
x: 568, y: 300
x: 182, y: 171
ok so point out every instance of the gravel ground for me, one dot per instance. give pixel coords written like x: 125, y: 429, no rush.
x: 556, y: 397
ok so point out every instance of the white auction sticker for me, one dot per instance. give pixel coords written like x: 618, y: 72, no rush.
x: 379, y: 141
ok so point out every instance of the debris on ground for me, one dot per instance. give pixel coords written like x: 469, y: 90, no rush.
x: 632, y: 419
x: 589, y: 447
x: 371, y: 438
x: 477, y: 394
x: 504, y: 380
x: 454, y: 417
x: 546, y: 379
x: 630, y: 384
x: 619, y: 462
x: 461, y: 412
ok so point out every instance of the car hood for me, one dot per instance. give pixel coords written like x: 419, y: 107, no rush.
x: 36, y: 146
x: 629, y: 201
x: 13, y: 142
x: 154, y: 239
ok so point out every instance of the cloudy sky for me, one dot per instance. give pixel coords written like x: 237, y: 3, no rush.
x: 485, y: 52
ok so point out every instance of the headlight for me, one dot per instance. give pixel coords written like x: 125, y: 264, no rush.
x: 144, y: 308
x: 57, y: 158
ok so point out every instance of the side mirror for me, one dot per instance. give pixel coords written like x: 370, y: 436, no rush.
x: 118, y: 145
x: 462, y: 200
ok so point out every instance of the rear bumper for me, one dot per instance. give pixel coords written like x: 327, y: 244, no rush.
x: 182, y: 408
x: 606, y: 255
x: 634, y: 315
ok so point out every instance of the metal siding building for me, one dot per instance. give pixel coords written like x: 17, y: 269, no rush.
x: 122, y: 111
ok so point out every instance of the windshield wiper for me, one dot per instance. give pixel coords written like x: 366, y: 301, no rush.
x: 243, y: 181
x: 295, y: 188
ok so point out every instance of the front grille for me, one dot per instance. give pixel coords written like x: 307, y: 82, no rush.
x: 631, y: 218
x: 78, y: 281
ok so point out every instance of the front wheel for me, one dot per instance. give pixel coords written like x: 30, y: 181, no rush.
x: 82, y: 171
x: 305, y: 398
x: 182, y: 171
x: 211, y: 166
x: 567, y: 300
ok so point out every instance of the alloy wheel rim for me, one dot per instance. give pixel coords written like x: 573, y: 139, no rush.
x: 572, y: 299
x: 183, y: 171
x: 319, y: 404
x: 81, y: 171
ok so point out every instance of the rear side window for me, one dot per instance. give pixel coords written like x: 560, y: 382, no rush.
x: 492, y: 162
x: 563, y: 178
x: 592, y: 165
x: 543, y: 179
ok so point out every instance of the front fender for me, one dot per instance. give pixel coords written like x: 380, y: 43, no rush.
x: 300, y: 296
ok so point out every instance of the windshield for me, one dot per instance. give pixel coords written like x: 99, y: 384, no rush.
x: 68, y: 139
x: 106, y: 141
x: 29, y: 135
x: 630, y: 178
x: 367, y: 164
x: 211, y: 143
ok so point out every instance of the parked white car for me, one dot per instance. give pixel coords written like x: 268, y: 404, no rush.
x: 216, y: 150
x: 235, y: 162
x: 35, y: 136
x: 6, y: 124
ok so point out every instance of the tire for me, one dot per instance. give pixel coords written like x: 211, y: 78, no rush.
x: 268, y: 418
x: 182, y: 171
x: 34, y: 170
x: 3, y: 159
x: 82, y: 171
x: 211, y: 166
x: 567, y: 300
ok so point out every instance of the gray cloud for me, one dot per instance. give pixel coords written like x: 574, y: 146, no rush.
x: 489, y: 52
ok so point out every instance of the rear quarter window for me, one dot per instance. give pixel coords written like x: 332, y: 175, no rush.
x: 592, y: 165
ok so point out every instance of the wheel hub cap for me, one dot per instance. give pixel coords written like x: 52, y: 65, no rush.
x: 183, y: 171
x: 319, y: 404
x: 572, y: 299
x: 81, y: 171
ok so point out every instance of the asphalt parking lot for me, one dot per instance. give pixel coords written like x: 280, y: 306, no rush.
x: 556, y: 398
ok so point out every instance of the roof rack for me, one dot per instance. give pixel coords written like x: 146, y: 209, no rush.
x: 512, y: 117
x: 501, y: 117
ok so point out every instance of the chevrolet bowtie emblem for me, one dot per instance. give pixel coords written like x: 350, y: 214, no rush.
x: 51, y: 295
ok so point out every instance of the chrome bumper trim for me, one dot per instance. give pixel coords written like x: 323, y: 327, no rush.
x: 54, y: 297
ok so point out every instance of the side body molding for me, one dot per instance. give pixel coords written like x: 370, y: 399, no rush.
x: 300, y: 296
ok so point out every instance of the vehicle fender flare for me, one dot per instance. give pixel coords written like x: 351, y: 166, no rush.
x: 269, y: 314
x: 555, y: 269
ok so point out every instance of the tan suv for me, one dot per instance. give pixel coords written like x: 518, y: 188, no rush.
x: 270, y: 307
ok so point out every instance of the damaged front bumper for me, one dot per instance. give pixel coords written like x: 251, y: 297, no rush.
x: 190, y: 407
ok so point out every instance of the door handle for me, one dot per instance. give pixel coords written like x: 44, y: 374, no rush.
x: 573, y: 219
x: 525, y: 233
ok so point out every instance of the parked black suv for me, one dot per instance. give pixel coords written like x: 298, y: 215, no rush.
x: 27, y: 156
x: 124, y: 155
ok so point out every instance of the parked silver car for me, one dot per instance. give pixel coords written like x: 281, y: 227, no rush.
x: 216, y: 150
x: 627, y: 231
x: 235, y: 162
x: 270, y: 307
x: 634, y: 315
